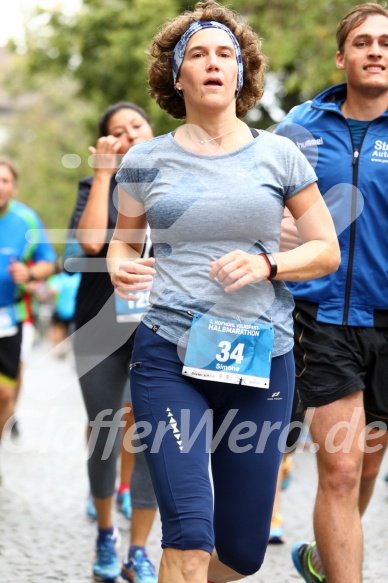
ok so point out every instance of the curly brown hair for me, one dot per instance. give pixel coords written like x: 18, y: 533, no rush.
x: 160, y: 52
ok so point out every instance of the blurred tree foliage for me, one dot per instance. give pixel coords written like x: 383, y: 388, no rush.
x: 46, y: 126
x: 299, y: 39
x: 104, y: 47
x: 46, y: 132
x: 78, y: 65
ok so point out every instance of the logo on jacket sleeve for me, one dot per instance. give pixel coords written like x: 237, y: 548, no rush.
x: 309, y: 143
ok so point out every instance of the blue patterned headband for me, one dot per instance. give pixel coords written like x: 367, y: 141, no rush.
x: 180, y: 48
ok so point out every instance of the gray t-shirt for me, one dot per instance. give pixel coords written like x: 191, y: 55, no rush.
x: 201, y: 207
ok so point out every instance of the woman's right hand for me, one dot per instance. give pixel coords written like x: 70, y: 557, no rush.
x: 132, y: 276
x: 105, y: 155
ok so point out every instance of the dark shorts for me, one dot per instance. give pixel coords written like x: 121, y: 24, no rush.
x: 10, y: 347
x: 333, y: 362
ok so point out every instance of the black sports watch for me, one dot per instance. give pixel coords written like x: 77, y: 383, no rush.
x: 273, y: 267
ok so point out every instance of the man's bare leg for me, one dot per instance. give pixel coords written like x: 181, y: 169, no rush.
x: 337, y: 428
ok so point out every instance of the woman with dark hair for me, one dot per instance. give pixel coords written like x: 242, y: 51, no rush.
x: 218, y: 332
x: 103, y: 346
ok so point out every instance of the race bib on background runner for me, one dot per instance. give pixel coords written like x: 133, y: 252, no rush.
x: 8, y: 324
x: 133, y: 310
x: 229, y: 351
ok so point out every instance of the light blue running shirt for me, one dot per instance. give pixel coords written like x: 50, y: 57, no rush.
x: 21, y: 238
x: 201, y: 207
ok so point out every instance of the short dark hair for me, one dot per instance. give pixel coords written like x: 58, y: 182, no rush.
x: 355, y: 17
x: 112, y: 110
x: 160, y: 52
x: 5, y: 161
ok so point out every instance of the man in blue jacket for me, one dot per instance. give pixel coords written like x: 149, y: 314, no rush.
x: 341, y: 320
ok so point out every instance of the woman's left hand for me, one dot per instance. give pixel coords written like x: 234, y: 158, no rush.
x: 238, y: 269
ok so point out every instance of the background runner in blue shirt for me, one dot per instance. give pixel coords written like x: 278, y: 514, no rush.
x: 22, y: 239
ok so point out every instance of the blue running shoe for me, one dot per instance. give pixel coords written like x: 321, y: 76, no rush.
x: 139, y: 569
x: 91, y: 512
x: 106, y: 566
x: 286, y: 481
x: 276, y: 533
x: 124, y: 504
x: 301, y: 557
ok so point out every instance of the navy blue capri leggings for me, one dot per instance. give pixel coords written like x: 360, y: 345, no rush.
x: 181, y: 421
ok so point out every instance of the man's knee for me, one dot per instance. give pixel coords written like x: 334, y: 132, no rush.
x: 6, y: 395
x: 340, y: 473
x: 338, y: 468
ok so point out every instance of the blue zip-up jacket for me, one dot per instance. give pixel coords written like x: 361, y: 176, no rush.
x: 354, y: 184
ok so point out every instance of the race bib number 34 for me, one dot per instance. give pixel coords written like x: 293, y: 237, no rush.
x: 229, y: 351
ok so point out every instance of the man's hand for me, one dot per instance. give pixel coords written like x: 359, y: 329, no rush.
x: 19, y: 272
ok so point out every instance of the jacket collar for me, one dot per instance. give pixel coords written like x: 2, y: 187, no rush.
x: 330, y: 99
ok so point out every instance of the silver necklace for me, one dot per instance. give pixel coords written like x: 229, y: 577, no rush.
x: 211, y: 139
